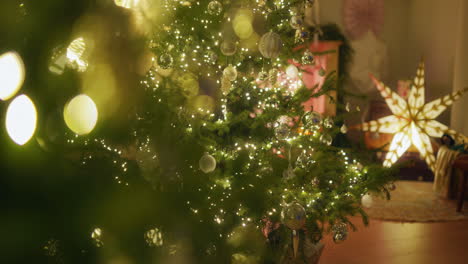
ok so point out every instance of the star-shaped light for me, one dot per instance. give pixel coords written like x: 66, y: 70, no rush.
x: 413, y: 122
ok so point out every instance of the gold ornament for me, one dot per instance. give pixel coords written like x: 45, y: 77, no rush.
x: 270, y: 45
x: 413, y: 121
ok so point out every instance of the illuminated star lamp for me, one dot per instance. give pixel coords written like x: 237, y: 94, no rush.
x: 413, y: 122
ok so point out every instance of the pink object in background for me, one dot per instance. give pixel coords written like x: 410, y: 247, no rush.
x: 361, y: 16
x: 311, y: 73
x: 403, y: 88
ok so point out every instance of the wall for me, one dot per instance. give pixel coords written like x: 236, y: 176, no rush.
x: 414, y: 29
x: 459, y: 117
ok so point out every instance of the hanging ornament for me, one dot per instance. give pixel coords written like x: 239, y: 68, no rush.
x: 211, y: 57
x: 289, y: 173
x: 270, y: 45
x: 58, y: 61
x: 230, y: 73
x: 226, y: 85
x: 296, y: 22
x: 294, y: 216
x: 292, y: 71
x: 215, y: 8
x: 302, y: 161
x: 340, y: 232
x: 188, y: 84
x: 207, y: 163
x: 96, y: 235
x: 282, y: 131
x: 366, y: 200
x: 344, y: 129
x: 391, y: 186
x: 165, y: 61
x: 228, y: 48
x: 312, y: 120
x: 273, y: 75
x: 322, y: 72
x: 328, y: 122
x: 263, y: 76
x: 315, y: 182
x: 326, y: 139
x: 348, y: 107
x: 308, y: 58
x: 153, y: 237
x: 309, y: 3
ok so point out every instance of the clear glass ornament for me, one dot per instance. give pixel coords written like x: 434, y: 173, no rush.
x: 296, y: 22
x: 322, y: 72
x: 348, y: 107
x: 211, y: 57
x: 230, y: 72
x: 312, y: 120
x: 289, y: 173
x: 228, y: 48
x: 263, y: 76
x: 302, y: 161
x: 326, y: 139
x: 340, y: 232
x: 96, y: 235
x: 207, y: 163
x: 153, y: 237
x: 165, y: 61
x: 344, y: 129
x: 215, y: 8
x: 282, y: 131
x: 328, y: 122
x: 294, y: 216
x: 273, y: 76
x: 307, y: 58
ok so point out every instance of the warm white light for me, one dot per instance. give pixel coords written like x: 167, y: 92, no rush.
x: 21, y: 119
x: 81, y: 114
x: 11, y: 74
x: 413, y: 121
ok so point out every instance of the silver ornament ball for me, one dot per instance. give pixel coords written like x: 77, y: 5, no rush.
x: 165, y: 61
x: 207, y: 163
x: 215, y: 8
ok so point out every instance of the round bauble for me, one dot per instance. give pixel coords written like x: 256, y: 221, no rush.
x: 296, y: 22
x: 292, y: 71
x: 270, y: 45
x: 328, y: 122
x: 294, y: 216
x: 215, y: 8
x: 322, y: 72
x: 165, y: 61
x: 344, y: 129
x: 308, y: 58
x: 282, y: 131
x: 326, y: 139
x: 366, y: 200
x: 312, y: 120
x: 228, y: 48
x: 207, y: 163
x: 230, y: 73
x: 188, y: 84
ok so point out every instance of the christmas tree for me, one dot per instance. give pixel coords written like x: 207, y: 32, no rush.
x: 174, y: 132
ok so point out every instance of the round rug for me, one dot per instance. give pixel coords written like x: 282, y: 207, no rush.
x: 413, y: 201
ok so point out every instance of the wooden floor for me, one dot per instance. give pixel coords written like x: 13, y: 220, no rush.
x: 401, y: 243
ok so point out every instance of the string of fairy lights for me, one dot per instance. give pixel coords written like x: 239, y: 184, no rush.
x: 185, y: 49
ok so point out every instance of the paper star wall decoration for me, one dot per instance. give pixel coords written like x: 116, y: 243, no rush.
x: 413, y: 122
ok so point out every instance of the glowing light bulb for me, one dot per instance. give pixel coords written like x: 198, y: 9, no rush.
x: 21, y: 119
x: 11, y: 75
x: 81, y: 114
